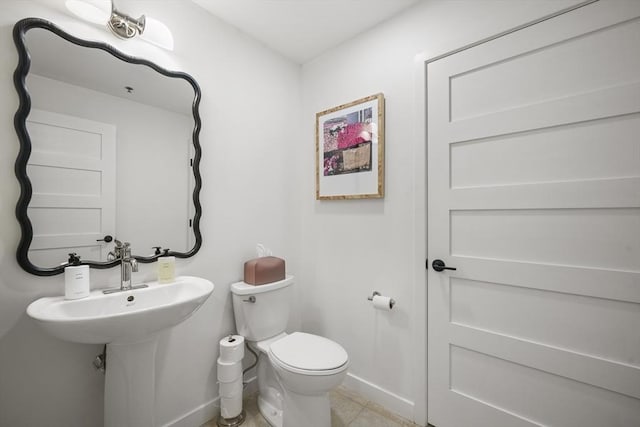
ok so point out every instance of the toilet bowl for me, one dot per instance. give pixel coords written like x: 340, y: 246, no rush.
x: 308, y: 364
x: 295, y: 371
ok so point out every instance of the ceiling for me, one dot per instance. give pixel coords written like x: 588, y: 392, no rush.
x: 303, y: 29
x: 55, y: 58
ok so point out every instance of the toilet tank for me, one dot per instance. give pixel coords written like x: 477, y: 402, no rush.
x: 262, y: 311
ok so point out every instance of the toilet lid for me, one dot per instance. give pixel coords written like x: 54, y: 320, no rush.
x: 309, y: 352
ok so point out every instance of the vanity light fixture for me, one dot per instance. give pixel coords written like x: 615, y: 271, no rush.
x: 121, y: 24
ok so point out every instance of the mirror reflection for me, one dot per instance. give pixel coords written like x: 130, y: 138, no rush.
x: 112, y: 150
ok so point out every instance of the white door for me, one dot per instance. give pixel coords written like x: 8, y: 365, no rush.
x: 534, y: 196
x: 72, y: 171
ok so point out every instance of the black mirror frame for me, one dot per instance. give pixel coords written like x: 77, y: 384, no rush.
x: 19, y: 121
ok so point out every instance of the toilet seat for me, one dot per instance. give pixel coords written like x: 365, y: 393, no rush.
x: 308, y: 354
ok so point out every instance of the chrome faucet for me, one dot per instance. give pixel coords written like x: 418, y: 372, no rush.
x: 128, y: 265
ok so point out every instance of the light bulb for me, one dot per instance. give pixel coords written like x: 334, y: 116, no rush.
x: 95, y: 11
x: 157, y: 33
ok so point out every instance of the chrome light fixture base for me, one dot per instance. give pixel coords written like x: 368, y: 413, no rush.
x: 124, y: 26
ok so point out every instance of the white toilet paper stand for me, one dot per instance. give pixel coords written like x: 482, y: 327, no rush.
x: 232, y: 422
x: 230, y: 377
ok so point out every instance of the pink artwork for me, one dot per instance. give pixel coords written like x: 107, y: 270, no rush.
x: 347, y: 143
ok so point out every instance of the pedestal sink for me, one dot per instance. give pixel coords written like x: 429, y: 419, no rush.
x: 129, y: 323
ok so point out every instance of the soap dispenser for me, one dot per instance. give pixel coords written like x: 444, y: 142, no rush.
x: 166, y: 268
x: 76, y: 278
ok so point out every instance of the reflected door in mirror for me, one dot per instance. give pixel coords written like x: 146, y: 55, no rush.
x: 73, y: 173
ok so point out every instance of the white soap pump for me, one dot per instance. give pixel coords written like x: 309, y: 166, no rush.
x: 76, y: 278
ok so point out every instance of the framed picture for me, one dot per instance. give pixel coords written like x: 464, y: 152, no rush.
x: 350, y: 150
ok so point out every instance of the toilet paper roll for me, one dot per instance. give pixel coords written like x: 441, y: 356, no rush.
x: 232, y: 348
x: 230, y: 407
x: 382, y: 303
x: 228, y: 372
x: 230, y: 389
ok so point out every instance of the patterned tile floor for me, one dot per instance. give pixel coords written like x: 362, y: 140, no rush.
x: 347, y: 409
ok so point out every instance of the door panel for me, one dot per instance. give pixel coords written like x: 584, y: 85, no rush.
x: 541, y: 317
x: 607, y: 238
x: 548, y: 155
x: 534, y: 196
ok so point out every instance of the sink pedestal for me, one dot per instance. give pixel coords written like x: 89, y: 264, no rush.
x: 129, y: 391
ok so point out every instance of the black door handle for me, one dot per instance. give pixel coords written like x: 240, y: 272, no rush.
x: 439, y: 265
x: 106, y: 238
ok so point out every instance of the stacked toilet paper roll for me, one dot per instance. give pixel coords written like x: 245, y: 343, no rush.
x: 230, y: 375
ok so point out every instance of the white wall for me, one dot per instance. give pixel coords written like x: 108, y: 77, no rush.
x: 351, y: 248
x: 249, y: 98
x: 152, y: 154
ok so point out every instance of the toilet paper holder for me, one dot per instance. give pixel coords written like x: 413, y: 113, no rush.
x: 376, y: 293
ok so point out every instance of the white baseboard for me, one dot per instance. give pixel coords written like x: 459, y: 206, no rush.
x: 376, y: 394
x: 392, y: 402
x: 198, y: 416
x: 209, y: 410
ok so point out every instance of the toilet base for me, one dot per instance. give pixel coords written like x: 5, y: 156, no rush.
x: 303, y: 410
x: 308, y: 411
x: 270, y: 413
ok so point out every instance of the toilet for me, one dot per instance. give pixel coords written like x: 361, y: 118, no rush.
x: 295, y: 371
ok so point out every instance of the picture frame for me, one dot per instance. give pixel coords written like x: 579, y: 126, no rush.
x: 350, y: 150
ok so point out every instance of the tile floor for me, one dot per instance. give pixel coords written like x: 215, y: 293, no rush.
x: 347, y: 409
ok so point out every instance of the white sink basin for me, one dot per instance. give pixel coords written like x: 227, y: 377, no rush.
x: 123, y: 316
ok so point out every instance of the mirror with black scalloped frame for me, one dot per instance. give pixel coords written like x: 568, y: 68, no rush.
x: 109, y: 150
